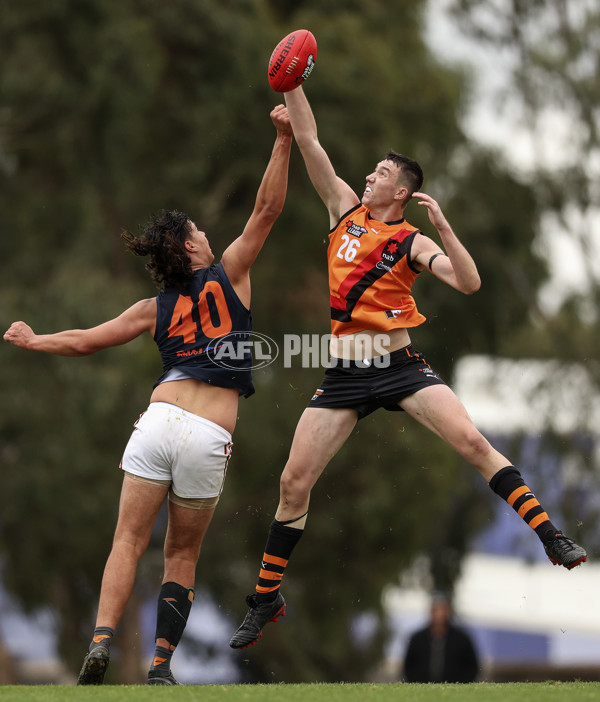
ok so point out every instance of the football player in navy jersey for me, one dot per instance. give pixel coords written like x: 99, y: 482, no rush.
x: 180, y: 446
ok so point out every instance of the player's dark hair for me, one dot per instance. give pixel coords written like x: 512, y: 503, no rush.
x: 411, y: 174
x: 162, y: 238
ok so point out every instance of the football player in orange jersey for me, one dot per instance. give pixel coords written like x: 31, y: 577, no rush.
x: 180, y: 447
x: 374, y: 256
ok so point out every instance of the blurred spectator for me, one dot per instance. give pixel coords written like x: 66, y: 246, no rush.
x: 440, y: 652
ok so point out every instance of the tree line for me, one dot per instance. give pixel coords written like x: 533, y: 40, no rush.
x: 111, y: 111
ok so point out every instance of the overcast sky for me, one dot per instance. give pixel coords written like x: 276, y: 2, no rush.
x: 506, y: 129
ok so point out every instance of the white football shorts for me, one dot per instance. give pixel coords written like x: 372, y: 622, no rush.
x: 170, y: 445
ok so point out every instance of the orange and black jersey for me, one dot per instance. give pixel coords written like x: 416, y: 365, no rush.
x: 199, y: 330
x: 371, y: 274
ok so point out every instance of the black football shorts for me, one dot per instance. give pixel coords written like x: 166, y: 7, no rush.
x: 380, y: 382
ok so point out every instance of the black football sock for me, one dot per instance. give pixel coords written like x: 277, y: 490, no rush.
x: 280, y: 544
x: 510, y: 486
x: 173, y: 609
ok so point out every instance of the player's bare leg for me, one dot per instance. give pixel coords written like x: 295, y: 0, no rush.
x: 138, y: 508
x: 185, y: 532
x: 438, y: 408
x: 319, y: 435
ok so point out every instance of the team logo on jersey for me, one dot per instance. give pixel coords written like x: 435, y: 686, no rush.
x: 355, y: 229
x: 389, y: 257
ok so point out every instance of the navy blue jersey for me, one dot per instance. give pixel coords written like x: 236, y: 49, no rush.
x: 199, y: 330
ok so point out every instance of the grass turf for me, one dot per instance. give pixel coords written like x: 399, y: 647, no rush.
x: 342, y: 692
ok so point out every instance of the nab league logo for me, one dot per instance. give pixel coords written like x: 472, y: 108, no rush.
x: 229, y: 350
x: 310, y: 64
x: 355, y: 229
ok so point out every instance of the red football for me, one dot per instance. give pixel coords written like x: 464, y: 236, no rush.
x: 292, y: 60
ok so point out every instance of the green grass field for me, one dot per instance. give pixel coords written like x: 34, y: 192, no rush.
x: 392, y: 692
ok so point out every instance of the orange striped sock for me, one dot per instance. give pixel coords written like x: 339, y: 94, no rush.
x: 280, y: 544
x: 510, y: 486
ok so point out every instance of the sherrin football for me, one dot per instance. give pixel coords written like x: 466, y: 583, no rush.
x: 292, y: 61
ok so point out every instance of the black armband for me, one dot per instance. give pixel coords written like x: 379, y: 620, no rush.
x: 434, y: 256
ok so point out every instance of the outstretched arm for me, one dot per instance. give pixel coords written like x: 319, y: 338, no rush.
x: 138, y: 318
x: 241, y: 254
x: 455, y: 267
x: 337, y: 195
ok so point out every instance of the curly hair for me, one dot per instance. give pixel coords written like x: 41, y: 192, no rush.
x: 162, y: 238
